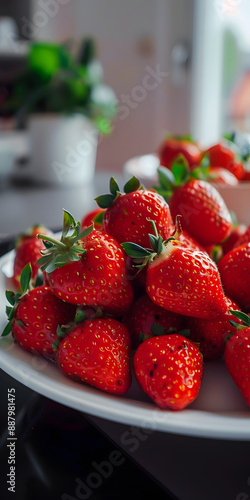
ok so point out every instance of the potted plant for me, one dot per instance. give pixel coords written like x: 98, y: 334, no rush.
x: 62, y: 98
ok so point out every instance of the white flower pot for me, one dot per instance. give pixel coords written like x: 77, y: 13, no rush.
x: 62, y: 149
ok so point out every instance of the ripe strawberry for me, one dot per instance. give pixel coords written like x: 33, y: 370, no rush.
x: 27, y: 249
x: 204, y: 213
x: 35, y: 316
x: 234, y: 270
x: 174, y: 146
x: 169, y: 370
x: 146, y: 319
x: 97, y: 353
x: 94, y: 216
x: 226, y: 154
x: 234, y: 239
x: 243, y: 238
x: 87, y: 269
x: 222, y: 176
x: 127, y: 215
x: 211, y: 333
x: 237, y: 355
x: 180, y: 280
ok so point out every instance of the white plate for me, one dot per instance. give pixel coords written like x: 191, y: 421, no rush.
x: 218, y: 412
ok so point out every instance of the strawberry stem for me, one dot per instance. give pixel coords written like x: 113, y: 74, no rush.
x: 58, y: 243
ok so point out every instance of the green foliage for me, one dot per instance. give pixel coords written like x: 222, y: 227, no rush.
x: 57, y: 81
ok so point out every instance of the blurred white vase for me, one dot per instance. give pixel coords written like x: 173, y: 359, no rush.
x: 62, y: 149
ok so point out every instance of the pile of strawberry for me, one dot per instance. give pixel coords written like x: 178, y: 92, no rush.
x: 137, y: 290
x: 226, y: 162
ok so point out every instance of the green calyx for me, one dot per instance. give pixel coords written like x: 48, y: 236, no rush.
x: 80, y: 317
x: 243, y: 317
x: 14, y: 298
x: 179, y: 175
x: 69, y: 247
x: 142, y: 256
x: 106, y: 200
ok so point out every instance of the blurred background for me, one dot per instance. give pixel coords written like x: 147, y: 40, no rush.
x: 85, y: 86
x: 199, y: 52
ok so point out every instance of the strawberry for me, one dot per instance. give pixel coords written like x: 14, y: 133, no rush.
x: 87, y: 268
x: 222, y: 176
x: 97, y: 352
x: 27, y: 249
x: 146, y: 319
x: 235, y: 239
x: 243, y: 238
x: 94, y: 216
x: 169, y: 369
x: 205, y: 216
x: 180, y: 280
x: 35, y: 316
x: 237, y: 355
x: 204, y: 213
x: 234, y: 270
x: 226, y: 154
x: 211, y: 333
x: 171, y: 147
x: 127, y: 215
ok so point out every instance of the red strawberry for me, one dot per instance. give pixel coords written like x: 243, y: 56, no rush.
x: 28, y: 249
x: 237, y: 356
x: 174, y: 146
x: 97, y: 353
x: 127, y: 215
x: 243, y: 237
x: 222, y: 175
x: 181, y: 280
x: 186, y: 241
x: 234, y: 270
x: 88, y: 269
x: 204, y: 213
x: 221, y: 154
x: 211, y: 333
x: 234, y: 239
x: 91, y: 216
x: 226, y: 154
x: 169, y: 369
x: 35, y: 317
x: 147, y: 319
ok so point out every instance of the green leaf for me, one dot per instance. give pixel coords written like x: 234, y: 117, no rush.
x: 68, y: 223
x: 132, y: 185
x: 47, y: 244
x: 166, y: 178
x: 83, y: 234
x: 114, y: 188
x: 61, y: 260
x: 98, y: 219
x: 105, y: 200
x: 55, y: 345
x: 60, y: 331
x: 80, y: 316
x: 153, y: 242
x: 157, y: 329
x: 10, y: 296
x: 135, y: 251
x: 10, y: 312
x: 25, y: 278
x: 20, y: 323
x: 43, y: 260
x: 6, y: 330
x: 242, y: 316
x: 180, y: 170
